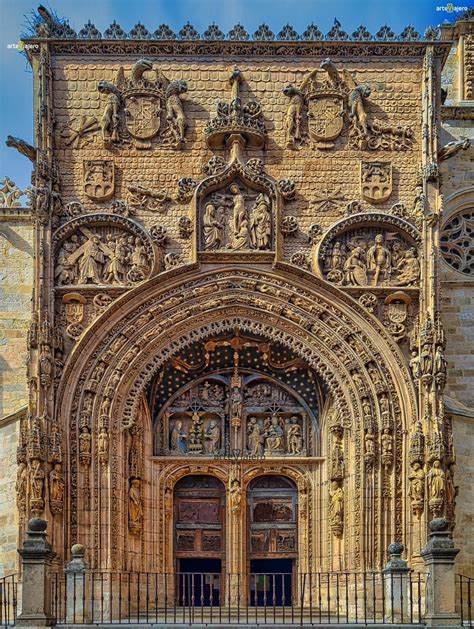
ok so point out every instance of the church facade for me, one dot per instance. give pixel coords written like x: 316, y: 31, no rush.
x: 250, y: 271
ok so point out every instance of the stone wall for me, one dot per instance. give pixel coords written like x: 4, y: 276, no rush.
x: 16, y: 280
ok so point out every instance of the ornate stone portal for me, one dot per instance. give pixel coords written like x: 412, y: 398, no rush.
x: 206, y: 345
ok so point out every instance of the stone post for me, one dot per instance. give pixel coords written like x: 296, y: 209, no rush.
x: 76, y: 586
x: 396, y: 586
x: 439, y: 555
x: 36, y: 558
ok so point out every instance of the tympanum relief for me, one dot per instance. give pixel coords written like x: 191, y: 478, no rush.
x: 214, y: 417
x: 371, y: 256
x: 95, y: 254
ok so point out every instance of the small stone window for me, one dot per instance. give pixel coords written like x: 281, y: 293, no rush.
x: 457, y: 242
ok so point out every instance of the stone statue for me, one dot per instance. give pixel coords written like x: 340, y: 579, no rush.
x: 440, y: 363
x: 240, y: 224
x: 426, y: 360
x: 355, y: 271
x: 235, y: 496
x: 294, y: 115
x: 409, y: 269
x: 56, y: 483
x: 415, y: 365
x: 369, y: 446
x: 168, y: 500
x: 294, y: 437
x: 261, y: 226
x: 274, y: 437
x: 212, y: 437
x: 105, y: 406
x: 436, y: 481
x: 213, y: 227
x: 387, y: 448
x: 379, y: 261
x: 135, y: 505
x: 21, y: 486
x: 357, y: 96
x: 336, y: 261
x: 417, y: 488
x: 174, y: 110
x: 85, y: 441
x: 255, y: 437
x: 178, y: 438
x: 103, y: 444
x: 336, y: 508
x: 37, y: 476
x: 110, y: 121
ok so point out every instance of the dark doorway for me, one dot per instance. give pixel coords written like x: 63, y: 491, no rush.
x: 199, y: 582
x: 271, y: 582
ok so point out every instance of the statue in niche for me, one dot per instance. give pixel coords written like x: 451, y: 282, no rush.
x: 213, y: 226
x: 261, y: 226
x: 37, y: 476
x: 337, y: 258
x: 415, y: 365
x: 21, y: 484
x: 135, y: 505
x: 274, y: 437
x: 355, y: 271
x: 369, y: 446
x: 417, y: 488
x: 235, y: 403
x: 103, y: 444
x: 436, y: 481
x: 294, y: 436
x: 240, y: 224
x: 212, y: 436
x: 91, y: 260
x: 85, y: 441
x: 387, y: 447
x: 440, y: 363
x: 255, y: 437
x: 336, y: 508
x: 379, y: 260
x: 178, y: 438
x: 408, y: 268
x: 56, y: 484
x: 235, y: 496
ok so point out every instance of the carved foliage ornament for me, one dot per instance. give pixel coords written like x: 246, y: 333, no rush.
x: 143, y: 107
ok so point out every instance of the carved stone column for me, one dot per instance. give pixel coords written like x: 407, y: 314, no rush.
x: 439, y: 555
x: 236, y: 514
x: 36, y: 557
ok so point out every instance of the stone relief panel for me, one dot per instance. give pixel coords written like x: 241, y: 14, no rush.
x: 94, y: 251
x: 369, y: 255
x: 221, y: 415
x: 237, y: 218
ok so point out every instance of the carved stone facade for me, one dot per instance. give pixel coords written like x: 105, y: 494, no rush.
x: 237, y: 317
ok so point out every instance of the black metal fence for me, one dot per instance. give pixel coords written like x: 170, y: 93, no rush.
x: 8, y: 600
x: 259, y: 598
x: 464, y: 591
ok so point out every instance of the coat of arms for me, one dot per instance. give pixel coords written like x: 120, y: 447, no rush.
x: 143, y: 106
x: 376, y: 181
x: 99, y: 179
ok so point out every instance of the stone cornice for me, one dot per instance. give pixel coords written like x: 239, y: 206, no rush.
x: 15, y: 214
x: 70, y: 47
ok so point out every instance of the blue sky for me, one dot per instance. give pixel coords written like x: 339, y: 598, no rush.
x: 16, y: 116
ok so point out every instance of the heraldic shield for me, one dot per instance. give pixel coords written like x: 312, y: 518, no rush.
x: 325, y: 119
x: 143, y: 116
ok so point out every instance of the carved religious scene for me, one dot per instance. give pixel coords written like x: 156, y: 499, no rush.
x: 237, y: 218
x: 370, y: 256
x: 256, y: 415
x: 95, y: 254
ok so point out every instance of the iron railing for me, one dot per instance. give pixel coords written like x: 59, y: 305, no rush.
x: 257, y: 598
x: 464, y: 591
x: 8, y: 600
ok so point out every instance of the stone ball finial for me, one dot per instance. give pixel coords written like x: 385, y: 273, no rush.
x: 439, y: 525
x: 78, y: 551
x: 396, y: 548
x: 37, y: 525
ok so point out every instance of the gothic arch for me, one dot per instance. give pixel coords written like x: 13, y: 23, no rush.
x: 321, y: 324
